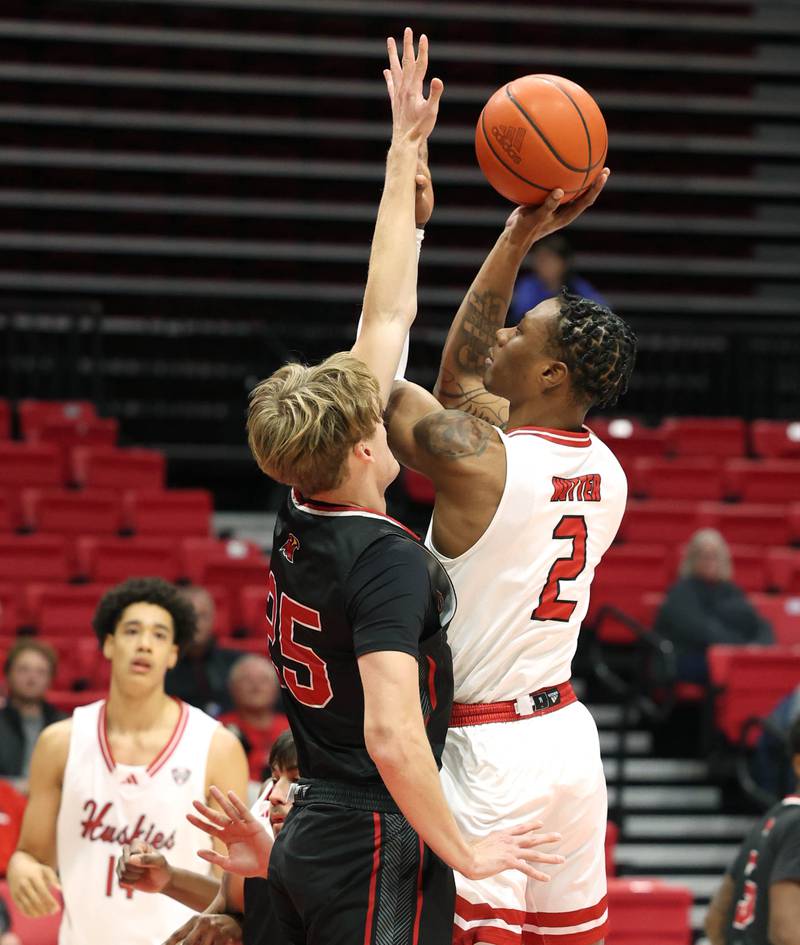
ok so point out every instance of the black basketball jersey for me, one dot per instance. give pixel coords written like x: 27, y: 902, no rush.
x: 770, y: 854
x: 345, y: 582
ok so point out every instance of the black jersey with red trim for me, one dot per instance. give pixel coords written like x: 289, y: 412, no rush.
x: 345, y: 581
x: 770, y: 854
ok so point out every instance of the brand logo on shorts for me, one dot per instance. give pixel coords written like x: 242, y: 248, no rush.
x: 289, y: 548
x: 181, y: 775
x: 510, y: 140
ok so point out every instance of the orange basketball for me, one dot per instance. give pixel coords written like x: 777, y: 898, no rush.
x: 538, y: 133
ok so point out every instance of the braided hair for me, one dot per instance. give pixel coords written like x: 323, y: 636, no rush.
x: 597, y: 346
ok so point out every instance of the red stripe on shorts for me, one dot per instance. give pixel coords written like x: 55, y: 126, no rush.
x: 475, y: 911
x: 418, y: 916
x: 493, y: 935
x: 373, y: 880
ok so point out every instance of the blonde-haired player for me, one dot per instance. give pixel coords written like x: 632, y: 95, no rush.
x: 122, y: 769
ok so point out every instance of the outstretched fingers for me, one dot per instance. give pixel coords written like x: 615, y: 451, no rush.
x: 228, y: 804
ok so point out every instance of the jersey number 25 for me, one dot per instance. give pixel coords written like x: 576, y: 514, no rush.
x: 284, y: 614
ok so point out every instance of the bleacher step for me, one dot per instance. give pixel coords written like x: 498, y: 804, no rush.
x: 664, y: 856
x: 673, y: 827
x: 636, y: 742
x: 657, y: 797
x: 657, y: 770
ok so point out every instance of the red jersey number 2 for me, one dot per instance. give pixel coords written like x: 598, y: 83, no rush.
x: 565, y: 568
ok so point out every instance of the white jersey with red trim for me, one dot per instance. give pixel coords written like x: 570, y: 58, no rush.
x: 523, y: 587
x: 105, y: 805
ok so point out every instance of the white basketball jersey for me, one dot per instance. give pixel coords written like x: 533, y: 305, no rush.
x: 523, y: 587
x: 105, y: 805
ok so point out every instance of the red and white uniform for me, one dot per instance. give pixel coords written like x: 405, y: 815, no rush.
x: 105, y: 805
x: 523, y: 590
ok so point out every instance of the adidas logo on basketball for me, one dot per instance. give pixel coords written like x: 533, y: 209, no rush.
x: 510, y: 140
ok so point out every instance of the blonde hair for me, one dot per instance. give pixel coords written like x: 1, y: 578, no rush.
x: 303, y: 421
x: 690, y: 555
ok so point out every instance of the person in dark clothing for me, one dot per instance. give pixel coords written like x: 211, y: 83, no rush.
x: 772, y: 766
x: 550, y: 271
x: 704, y: 607
x: 200, y: 677
x: 29, y: 670
x: 758, y: 901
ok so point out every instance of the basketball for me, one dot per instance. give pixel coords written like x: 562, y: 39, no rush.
x: 538, y: 133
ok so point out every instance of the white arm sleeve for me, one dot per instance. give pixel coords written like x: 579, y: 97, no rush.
x: 401, y: 367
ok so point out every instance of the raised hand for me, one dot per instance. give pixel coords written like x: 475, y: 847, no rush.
x: 513, y: 849
x: 413, y: 115
x: 207, y: 929
x: 529, y: 224
x: 248, y: 843
x: 142, y: 867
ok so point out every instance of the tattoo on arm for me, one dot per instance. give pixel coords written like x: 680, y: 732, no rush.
x: 454, y: 395
x: 485, y: 313
x: 453, y: 435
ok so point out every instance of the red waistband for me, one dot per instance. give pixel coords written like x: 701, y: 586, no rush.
x: 541, y: 702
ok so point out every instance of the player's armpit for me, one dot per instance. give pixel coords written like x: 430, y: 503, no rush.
x: 718, y: 911
x: 784, y: 913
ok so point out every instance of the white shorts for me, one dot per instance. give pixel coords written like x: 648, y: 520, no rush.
x: 547, y: 768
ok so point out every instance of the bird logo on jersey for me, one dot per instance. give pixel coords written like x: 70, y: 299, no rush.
x: 289, y: 548
x: 180, y: 775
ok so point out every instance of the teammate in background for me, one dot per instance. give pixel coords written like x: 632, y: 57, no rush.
x: 758, y: 901
x: 357, y: 612
x: 527, y: 502
x: 121, y: 769
x: 240, y: 910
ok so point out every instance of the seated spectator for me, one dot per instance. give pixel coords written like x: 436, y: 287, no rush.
x: 773, y: 763
x: 200, y: 676
x: 550, y: 271
x: 12, y: 807
x: 255, y: 692
x: 29, y: 670
x: 704, y: 607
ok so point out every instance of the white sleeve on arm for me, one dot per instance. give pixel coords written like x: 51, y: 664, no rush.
x: 400, y: 375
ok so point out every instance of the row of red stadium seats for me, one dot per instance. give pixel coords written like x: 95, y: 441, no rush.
x: 747, y: 480
x: 108, y: 560
x: 57, y: 610
x: 107, y: 512
x: 101, y: 467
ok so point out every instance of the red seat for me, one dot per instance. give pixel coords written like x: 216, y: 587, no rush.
x: 775, y: 480
x: 776, y: 439
x: 625, y: 572
x: 783, y: 570
x: 750, y: 569
x: 752, y: 680
x: 196, y: 553
x: 67, y: 435
x: 111, y: 560
x: 29, y: 465
x: 784, y: 615
x: 234, y: 575
x: 68, y: 701
x: 253, y: 609
x: 628, y: 439
x: 93, y: 512
x: 9, y: 609
x: 80, y: 663
x: 26, y: 558
x: 223, y: 612
x: 642, y: 607
x: 33, y: 414
x: 747, y: 524
x: 7, y: 517
x: 658, y: 520
x: 612, y: 836
x: 176, y: 512
x: 100, y: 467
x: 256, y: 645
x: 418, y: 488
x: 5, y: 419
x: 677, y: 478
x: 648, y: 910
x: 59, y: 609
x: 41, y: 931
x: 706, y: 436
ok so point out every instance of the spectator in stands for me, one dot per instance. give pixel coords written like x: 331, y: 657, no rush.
x: 200, y: 676
x: 255, y: 692
x: 704, y: 607
x: 29, y: 670
x: 7, y: 937
x: 550, y: 270
x: 12, y: 807
x: 772, y: 763
x: 759, y: 897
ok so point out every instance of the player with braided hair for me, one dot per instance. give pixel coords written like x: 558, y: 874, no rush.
x: 527, y: 502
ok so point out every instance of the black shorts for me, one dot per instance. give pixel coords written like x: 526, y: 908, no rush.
x: 343, y: 876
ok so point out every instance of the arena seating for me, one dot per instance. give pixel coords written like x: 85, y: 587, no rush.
x: 638, y: 904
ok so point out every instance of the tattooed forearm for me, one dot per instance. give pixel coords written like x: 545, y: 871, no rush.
x: 484, y: 313
x: 454, y: 395
x: 453, y: 435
